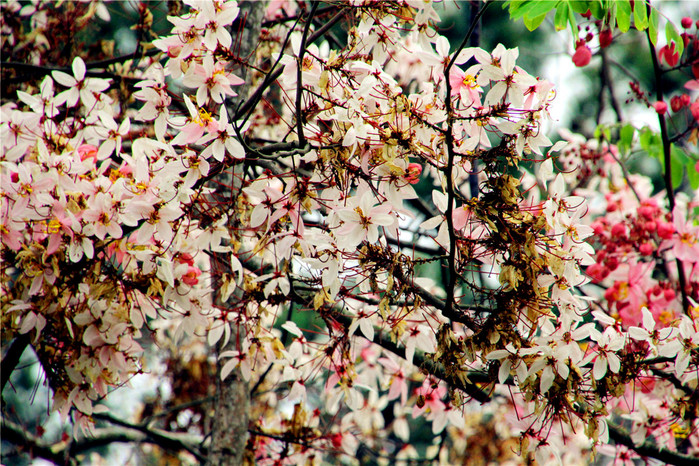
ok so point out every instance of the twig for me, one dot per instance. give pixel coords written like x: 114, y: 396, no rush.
x: 449, y: 169
x: 667, y: 175
x: 11, y: 358
x: 299, y: 76
x: 621, y: 436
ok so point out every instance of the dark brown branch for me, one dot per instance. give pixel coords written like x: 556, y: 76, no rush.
x: 667, y: 175
x: 65, y: 452
x: 419, y: 360
x: 286, y: 19
x: 166, y: 440
x: 274, y: 74
x: 622, y: 437
x: 11, y: 358
x: 449, y: 169
x: 299, y: 76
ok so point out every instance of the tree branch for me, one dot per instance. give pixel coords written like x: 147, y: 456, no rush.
x: 11, y: 358
x: 622, y: 437
x: 667, y: 175
x: 65, y: 452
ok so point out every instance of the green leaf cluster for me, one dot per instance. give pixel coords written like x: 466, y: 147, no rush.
x: 613, y: 12
x: 680, y: 162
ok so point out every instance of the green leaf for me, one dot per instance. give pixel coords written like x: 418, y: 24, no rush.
x: 531, y: 8
x: 651, y: 143
x: 693, y: 176
x: 533, y: 23
x: 671, y: 35
x: 579, y: 6
x: 602, y: 131
x: 533, y: 12
x: 640, y: 15
x: 626, y: 138
x: 516, y: 8
x: 653, y: 25
x: 597, y: 9
x: 623, y: 15
x: 679, y: 160
x: 541, y: 7
x: 561, y: 18
x: 573, y: 23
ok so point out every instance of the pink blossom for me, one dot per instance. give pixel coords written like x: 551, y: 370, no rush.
x: 429, y: 398
x: 466, y: 86
x: 87, y: 151
x: 413, y: 172
x: 101, y: 217
x: 211, y: 79
x: 686, y: 242
x: 79, y: 87
x: 191, y: 278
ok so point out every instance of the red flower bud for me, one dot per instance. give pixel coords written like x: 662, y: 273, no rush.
x: 660, y: 107
x: 413, y: 172
x: 605, y: 38
x: 582, y: 55
x: 619, y: 230
x: 646, y: 211
x: 646, y: 249
x: 676, y: 103
x: 665, y: 230
x: 694, y: 108
x: 596, y: 272
x: 669, y: 55
x: 687, y: 22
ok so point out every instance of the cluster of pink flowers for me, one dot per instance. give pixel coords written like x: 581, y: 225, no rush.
x: 109, y: 229
x: 95, y: 227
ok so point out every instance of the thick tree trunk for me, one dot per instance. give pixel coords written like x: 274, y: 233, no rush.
x: 232, y: 401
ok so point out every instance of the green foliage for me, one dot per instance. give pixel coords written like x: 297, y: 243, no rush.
x: 672, y: 35
x: 623, y: 15
x: 680, y: 161
x: 626, y: 135
x: 640, y: 16
x: 653, y: 25
x: 619, y: 12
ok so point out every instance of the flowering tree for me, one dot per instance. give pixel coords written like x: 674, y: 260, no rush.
x: 341, y: 237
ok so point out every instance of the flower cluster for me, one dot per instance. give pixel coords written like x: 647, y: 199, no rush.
x: 285, y: 226
x: 97, y: 231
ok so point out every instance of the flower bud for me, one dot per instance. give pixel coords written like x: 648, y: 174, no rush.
x: 669, y: 55
x: 646, y: 249
x: 687, y: 22
x: 412, y: 174
x: 676, y: 103
x: 582, y: 55
x: 605, y: 38
x: 619, y: 230
x: 660, y: 107
x: 665, y: 230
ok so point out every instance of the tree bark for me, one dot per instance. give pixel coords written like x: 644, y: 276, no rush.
x: 231, y: 408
